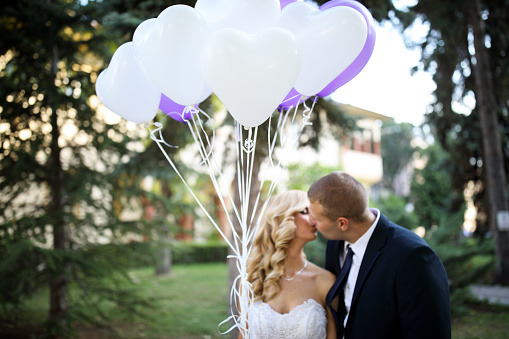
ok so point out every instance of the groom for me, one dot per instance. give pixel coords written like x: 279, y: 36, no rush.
x: 390, y: 282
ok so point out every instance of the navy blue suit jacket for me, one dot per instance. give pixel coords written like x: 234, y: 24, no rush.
x: 402, y: 289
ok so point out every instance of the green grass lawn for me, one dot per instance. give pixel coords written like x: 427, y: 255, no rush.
x: 482, y: 322
x: 193, y: 300
x: 190, y: 303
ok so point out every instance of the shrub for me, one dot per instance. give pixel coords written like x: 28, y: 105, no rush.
x: 143, y: 254
x: 188, y: 253
x: 395, y: 208
x: 467, y: 260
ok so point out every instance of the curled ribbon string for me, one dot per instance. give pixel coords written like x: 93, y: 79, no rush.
x: 158, y: 130
x: 306, y: 115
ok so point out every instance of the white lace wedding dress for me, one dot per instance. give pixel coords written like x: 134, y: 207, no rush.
x: 306, y: 321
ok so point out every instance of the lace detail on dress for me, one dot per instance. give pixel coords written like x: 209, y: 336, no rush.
x: 306, y: 321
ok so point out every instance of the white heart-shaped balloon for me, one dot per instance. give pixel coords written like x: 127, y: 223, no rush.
x: 169, y: 50
x: 125, y: 89
x: 330, y: 42
x: 142, y: 32
x: 249, y: 16
x: 251, y: 74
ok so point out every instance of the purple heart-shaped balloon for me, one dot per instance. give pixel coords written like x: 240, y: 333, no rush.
x: 174, y: 110
x: 284, y: 3
x: 362, y: 59
x: 291, y: 100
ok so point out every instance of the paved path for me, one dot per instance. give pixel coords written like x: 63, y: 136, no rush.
x: 492, y: 294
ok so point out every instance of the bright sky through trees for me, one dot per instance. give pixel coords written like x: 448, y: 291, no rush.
x: 386, y: 85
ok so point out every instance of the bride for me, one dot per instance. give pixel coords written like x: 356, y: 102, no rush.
x: 289, y: 292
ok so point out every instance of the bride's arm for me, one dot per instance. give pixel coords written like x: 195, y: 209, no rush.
x: 331, y: 323
x: 240, y: 336
x: 326, y: 282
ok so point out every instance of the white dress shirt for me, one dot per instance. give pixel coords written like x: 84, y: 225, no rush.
x: 358, y: 248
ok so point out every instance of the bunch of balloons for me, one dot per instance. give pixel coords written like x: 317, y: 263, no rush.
x: 255, y: 55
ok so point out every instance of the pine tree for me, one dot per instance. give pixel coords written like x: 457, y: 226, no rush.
x: 58, y: 156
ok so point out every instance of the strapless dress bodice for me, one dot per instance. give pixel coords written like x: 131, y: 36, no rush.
x: 306, y: 321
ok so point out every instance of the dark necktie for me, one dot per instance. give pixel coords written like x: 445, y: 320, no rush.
x: 338, y: 289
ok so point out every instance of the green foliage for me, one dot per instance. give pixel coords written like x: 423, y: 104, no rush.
x: 449, y: 57
x: 190, y: 253
x: 467, y: 260
x: 397, y: 210
x: 58, y: 159
x: 144, y: 254
x: 302, y: 176
x: 200, y: 290
x: 380, y: 9
x: 327, y: 117
x: 19, y: 267
x: 189, y: 303
x: 431, y: 189
x: 397, y: 149
x: 125, y: 15
x: 481, y: 321
x: 97, y: 277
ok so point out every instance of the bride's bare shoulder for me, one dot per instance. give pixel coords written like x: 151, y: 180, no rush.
x: 323, y: 276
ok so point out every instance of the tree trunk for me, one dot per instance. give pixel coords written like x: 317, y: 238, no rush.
x: 164, y: 259
x: 58, y: 281
x: 493, y: 157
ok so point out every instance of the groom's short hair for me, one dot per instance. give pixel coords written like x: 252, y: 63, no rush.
x: 341, y: 195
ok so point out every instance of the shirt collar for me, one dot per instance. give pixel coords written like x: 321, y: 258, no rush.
x: 359, y: 247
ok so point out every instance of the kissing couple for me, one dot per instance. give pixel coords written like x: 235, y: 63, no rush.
x: 380, y: 280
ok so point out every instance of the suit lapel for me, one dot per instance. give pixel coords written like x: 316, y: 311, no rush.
x: 373, y: 251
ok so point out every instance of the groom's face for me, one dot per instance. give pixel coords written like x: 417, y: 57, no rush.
x: 323, y: 224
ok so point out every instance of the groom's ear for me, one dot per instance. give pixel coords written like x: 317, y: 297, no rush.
x: 342, y: 223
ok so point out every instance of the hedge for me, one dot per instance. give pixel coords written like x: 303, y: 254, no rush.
x: 188, y: 253
x: 143, y: 254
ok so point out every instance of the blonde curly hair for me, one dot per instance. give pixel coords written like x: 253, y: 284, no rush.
x: 266, y: 263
